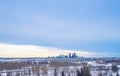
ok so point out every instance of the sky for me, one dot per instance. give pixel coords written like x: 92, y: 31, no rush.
x: 88, y: 27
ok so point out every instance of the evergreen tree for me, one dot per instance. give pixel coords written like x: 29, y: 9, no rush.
x: 18, y: 74
x: 55, y: 72
x: 117, y: 74
x: 8, y: 74
x: 82, y: 72
x: 100, y: 74
x: 63, y: 73
x: 78, y: 73
x: 85, y: 71
x: 114, y: 68
x: 88, y: 71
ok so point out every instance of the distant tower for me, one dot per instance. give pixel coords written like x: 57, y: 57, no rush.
x: 69, y: 55
x: 74, y: 55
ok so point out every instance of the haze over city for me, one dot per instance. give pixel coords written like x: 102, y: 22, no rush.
x: 41, y: 28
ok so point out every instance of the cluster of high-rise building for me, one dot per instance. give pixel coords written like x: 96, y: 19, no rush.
x: 70, y: 55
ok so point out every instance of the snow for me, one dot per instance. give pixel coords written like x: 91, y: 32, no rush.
x: 69, y: 71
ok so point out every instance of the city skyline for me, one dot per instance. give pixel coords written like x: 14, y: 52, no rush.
x: 90, y: 27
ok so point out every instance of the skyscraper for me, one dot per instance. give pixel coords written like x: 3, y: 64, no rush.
x: 70, y: 55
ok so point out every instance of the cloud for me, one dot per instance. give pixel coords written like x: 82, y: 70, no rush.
x: 13, y: 50
x: 47, y: 22
x: 40, y: 26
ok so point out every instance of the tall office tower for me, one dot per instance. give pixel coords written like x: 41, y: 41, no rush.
x: 74, y: 55
x: 70, y: 55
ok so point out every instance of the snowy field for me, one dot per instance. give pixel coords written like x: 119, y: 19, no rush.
x: 91, y: 68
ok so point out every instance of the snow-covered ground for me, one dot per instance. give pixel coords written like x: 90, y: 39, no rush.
x: 95, y: 70
x: 102, y: 69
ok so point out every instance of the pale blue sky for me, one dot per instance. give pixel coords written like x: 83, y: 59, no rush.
x: 90, y: 25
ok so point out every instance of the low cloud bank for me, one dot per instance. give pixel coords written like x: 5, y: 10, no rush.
x: 15, y: 50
